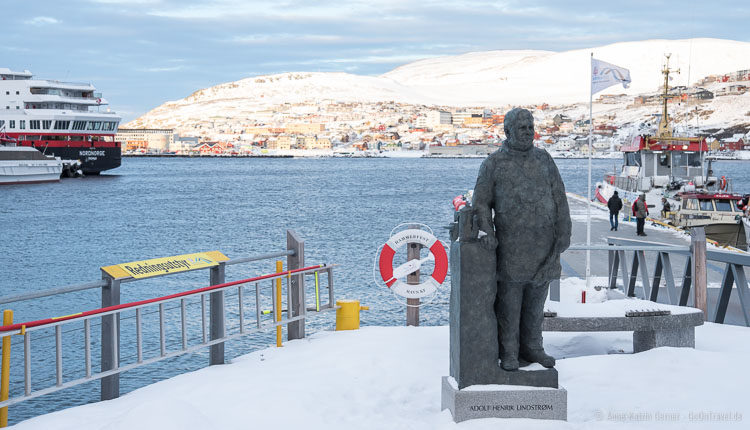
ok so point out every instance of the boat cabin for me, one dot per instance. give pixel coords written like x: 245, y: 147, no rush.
x: 651, y: 162
x: 711, y: 202
x: 677, y: 159
x: 717, y: 213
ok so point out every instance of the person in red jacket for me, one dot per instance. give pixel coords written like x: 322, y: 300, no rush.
x: 640, y: 210
x: 743, y: 203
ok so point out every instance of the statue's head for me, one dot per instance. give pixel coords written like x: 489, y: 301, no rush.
x: 519, y: 129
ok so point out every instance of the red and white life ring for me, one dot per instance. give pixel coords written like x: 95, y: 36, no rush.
x: 391, y: 276
x: 459, y: 202
x: 723, y: 183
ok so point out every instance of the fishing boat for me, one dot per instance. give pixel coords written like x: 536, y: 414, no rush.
x: 718, y: 213
x: 660, y: 165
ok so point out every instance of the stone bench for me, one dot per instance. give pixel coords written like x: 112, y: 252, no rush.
x: 649, y: 332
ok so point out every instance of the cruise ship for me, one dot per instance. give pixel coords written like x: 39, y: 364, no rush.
x: 68, y: 120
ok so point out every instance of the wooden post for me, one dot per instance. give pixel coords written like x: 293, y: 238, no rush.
x: 110, y: 385
x: 698, y: 252
x: 412, y: 305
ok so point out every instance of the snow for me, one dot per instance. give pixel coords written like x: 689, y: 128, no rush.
x: 497, y: 387
x: 389, y: 377
x: 490, y: 79
x: 602, y: 302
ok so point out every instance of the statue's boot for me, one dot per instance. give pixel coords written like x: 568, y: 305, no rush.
x: 538, y: 356
x: 532, y: 317
x: 509, y: 362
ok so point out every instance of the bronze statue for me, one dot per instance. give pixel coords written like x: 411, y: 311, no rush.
x: 530, y: 228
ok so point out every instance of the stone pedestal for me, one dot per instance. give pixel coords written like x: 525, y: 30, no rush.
x: 504, y: 401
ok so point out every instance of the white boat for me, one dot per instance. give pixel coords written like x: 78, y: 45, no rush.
x: 64, y: 119
x: 26, y: 165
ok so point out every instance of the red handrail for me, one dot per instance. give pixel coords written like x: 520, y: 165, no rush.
x: 46, y: 321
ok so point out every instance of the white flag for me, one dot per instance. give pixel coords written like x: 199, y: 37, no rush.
x: 604, y: 75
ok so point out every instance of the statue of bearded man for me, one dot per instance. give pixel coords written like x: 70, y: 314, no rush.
x: 529, y: 230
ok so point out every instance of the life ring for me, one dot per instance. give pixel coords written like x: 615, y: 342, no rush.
x: 723, y: 183
x: 459, y: 202
x: 391, y: 276
x: 611, y: 180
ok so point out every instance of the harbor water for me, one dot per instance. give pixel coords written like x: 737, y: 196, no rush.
x: 59, y: 234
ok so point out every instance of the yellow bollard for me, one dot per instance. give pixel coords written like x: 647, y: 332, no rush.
x: 347, y: 314
x: 5, y: 376
x: 317, y: 293
x: 279, y: 268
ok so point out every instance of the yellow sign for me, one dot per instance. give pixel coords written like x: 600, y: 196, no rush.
x: 165, y: 265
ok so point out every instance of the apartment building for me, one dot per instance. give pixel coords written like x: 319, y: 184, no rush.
x: 157, y: 139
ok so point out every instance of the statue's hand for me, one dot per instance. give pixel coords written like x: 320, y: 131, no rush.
x: 488, y: 242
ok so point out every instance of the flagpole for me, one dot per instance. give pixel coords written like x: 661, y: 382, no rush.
x: 588, y: 205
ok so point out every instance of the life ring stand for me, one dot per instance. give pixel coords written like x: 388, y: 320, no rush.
x: 401, y: 288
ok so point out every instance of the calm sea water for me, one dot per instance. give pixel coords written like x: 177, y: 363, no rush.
x: 59, y: 234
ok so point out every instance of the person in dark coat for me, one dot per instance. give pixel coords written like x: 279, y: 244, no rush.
x: 614, y: 204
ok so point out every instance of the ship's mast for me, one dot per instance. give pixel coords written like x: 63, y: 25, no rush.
x: 665, y: 129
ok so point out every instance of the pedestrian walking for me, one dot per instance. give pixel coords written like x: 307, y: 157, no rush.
x: 640, y: 210
x: 614, y: 204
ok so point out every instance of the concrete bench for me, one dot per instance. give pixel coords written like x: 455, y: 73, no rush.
x: 648, y: 331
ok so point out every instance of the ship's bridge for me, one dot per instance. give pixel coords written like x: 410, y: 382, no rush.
x: 8, y: 75
x: 664, y: 159
x: 60, y: 103
x: 56, y: 95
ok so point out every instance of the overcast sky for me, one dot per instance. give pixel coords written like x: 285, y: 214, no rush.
x: 141, y: 53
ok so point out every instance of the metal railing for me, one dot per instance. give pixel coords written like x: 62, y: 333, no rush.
x: 213, y: 332
x: 27, y: 329
x: 732, y: 274
x: 628, y: 272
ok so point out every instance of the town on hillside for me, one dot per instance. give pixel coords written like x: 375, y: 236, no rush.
x: 716, y: 107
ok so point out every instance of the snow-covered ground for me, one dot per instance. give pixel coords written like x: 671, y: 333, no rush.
x: 389, y: 378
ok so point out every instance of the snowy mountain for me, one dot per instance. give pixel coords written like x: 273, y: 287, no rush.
x: 530, y: 77
x: 494, y: 78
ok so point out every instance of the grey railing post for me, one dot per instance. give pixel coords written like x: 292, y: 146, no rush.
x: 216, y: 317
x: 699, y: 275
x: 296, y: 329
x: 412, y: 305
x: 610, y: 261
x: 110, y: 385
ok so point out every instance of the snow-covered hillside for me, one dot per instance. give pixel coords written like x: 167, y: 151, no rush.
x: 529, y: 77
x: 491, y: 79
